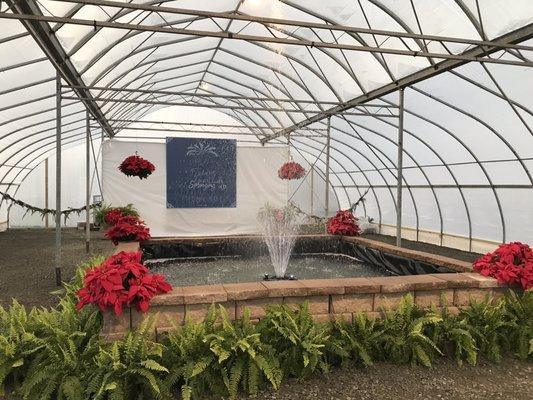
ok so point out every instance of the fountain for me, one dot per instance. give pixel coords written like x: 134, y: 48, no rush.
x: 280, y: 229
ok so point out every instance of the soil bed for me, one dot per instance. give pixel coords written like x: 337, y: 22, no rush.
x: 27, y: 262
x: 509, y: 380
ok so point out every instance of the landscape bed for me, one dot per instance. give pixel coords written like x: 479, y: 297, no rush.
x: 431, y: 279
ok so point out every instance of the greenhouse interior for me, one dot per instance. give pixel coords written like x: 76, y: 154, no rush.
x: 232, y: 198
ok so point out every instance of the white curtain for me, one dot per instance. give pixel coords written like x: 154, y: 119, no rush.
x: 257, y: 184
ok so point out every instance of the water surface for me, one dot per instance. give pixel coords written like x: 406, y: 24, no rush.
x: 210, y: 270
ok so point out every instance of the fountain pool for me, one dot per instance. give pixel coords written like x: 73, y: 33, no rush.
x: 237, y: 269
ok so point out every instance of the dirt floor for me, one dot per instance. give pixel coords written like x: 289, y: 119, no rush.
x: 509, y: 380
x: 27, y: 262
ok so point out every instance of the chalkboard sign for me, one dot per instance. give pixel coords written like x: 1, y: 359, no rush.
x: 201, y: 173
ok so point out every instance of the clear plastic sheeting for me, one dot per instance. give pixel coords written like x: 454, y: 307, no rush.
x: 275, y: 70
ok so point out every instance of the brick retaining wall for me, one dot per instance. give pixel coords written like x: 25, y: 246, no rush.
x: 328, y: 298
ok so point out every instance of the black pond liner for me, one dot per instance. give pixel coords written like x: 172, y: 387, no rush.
x: 207, y: 257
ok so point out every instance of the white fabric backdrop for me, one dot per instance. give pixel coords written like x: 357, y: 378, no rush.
x: 257, y: 184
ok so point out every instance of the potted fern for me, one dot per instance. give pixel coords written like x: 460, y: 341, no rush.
x: 107, y: 215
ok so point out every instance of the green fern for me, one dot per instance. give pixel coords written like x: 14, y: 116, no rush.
x: 242, y: 359
x: 519, y: 310
x: 70, y: 341
x: 128, y: 369
x: 454, y: 338
x: 405, y: 334
x: 190, y: 361
x: 100, y: 212
x: 490, y: 327
x: 357, y: 341
x: 18, y: 344
x: 299, y: 342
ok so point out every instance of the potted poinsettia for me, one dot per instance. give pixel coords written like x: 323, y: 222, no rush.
x: 121, y: 281
x: 510, y: 264
x: 127, y: 228
x: 343, y: 223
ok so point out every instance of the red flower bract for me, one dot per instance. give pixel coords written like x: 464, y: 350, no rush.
x: 343, y: 223
x: 510, y: 263
x: 112, y: 216
x: 120, y: 281
x: 128, y: 228
x: 136, y: 166
x: 291, y: 170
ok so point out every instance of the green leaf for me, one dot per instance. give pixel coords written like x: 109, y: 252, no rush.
x: 18, y: 363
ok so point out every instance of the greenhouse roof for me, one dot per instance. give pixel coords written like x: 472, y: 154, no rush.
x: 292, y: 71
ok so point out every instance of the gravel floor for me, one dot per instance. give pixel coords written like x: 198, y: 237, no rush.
x: 27, y: 262
x: 509, y: 380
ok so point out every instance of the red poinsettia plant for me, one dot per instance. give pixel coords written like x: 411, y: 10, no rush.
x: 128, y: 228
x: 343, y: 223
x: 291, y: 170
x: 112, y: 216
x: 510, y: 263
x: 121, y: 281
x: 136, y: 166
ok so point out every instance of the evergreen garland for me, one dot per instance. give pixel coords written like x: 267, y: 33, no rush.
x: 45, y: 211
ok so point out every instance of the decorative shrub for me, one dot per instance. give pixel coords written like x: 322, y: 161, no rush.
x: 291, y: 170
x: 343, y: 223
x: 136, y: 166
x: 121, y: 280
x: 510, y: 263
x: 128, y: 228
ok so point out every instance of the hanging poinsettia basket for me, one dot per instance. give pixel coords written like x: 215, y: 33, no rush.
x: 136, y: 166
x: 291, y: 170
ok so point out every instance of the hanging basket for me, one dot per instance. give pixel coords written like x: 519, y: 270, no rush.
x: 291, y: 170
x: 136, y: 166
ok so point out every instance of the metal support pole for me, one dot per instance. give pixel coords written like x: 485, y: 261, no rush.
x: 328, y: 140
x: 312, y: 173
x: 46, y: 222
x: 58, y: 181
x: 101, y: 186
x: 399, y: 173
x: 87, y: 189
